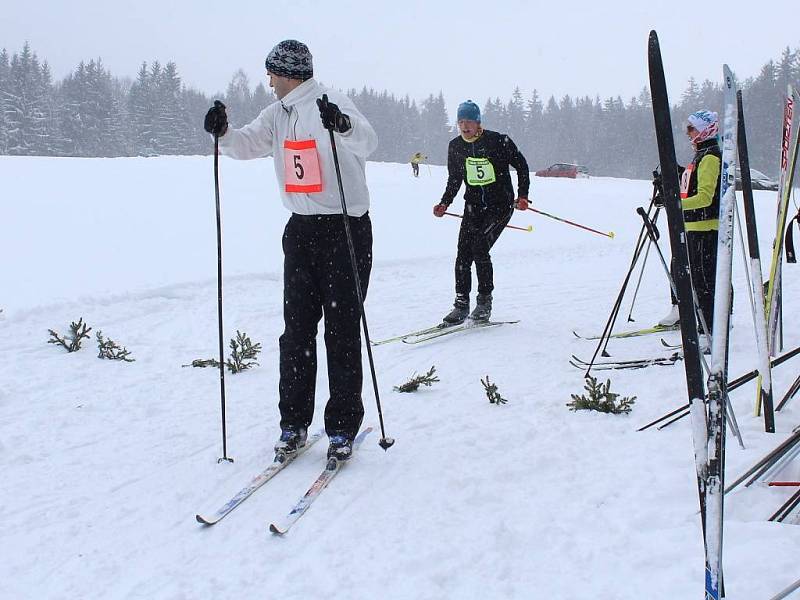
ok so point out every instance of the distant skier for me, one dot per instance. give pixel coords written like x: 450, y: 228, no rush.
x: 699, y: 190
x: 480, y: 158
x: 417, y: 158
x: 317, y: 274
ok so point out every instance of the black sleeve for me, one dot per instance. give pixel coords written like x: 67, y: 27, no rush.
x: 455, y: 175
x: 516, y: 160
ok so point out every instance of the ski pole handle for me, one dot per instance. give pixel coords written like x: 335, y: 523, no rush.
x: 529, y: 228
x: 610, y: 234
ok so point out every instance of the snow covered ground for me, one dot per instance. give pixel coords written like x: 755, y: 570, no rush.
x: 105, y: 464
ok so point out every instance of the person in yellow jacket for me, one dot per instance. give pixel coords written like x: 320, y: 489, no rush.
x: 699, y: 190
x: 417, y: 158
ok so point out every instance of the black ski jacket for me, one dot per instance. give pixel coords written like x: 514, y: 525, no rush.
x: 482, y: 165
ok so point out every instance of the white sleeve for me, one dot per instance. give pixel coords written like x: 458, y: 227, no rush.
x: 254, y: 140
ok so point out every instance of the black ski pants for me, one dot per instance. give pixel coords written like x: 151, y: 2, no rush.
x: 702, y: 249
x: 318, y: 281
x: 480, y: 229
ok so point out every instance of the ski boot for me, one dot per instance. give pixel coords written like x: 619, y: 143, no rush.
x: 460, y: 311
x: 671, y: 319
x: 483, y: 309
x: 340, y: 447
x: 291, y: 441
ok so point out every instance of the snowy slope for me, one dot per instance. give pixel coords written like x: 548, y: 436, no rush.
x: 105, y: 464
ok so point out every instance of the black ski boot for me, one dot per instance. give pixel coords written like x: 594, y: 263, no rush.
x: 340, y: 447
x: 291, y: 441
x: 483, y: 308
x: 460, y: 311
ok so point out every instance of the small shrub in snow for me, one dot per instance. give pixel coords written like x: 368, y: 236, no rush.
x: 110, y: 350
x: 71, y: 341
x: 243, y: 355
x: 492, y: 393
x: 412, y: 385
x: 601, y: 399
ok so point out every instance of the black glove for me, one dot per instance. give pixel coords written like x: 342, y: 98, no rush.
x: 658, y: 189
x: 216, y: 121
x: 332, y: 117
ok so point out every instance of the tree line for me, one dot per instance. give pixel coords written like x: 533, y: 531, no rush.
x: 92, y: 113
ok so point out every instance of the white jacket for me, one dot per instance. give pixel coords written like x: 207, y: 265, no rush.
x: 296, y: 117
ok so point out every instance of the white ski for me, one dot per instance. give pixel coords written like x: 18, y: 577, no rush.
x: 332, y: 467
x: 276, y: 467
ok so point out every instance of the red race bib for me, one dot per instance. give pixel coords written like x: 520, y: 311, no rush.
x: 301, y: 169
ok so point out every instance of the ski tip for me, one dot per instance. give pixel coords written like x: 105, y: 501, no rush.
x: 276, y: 530
x: 203, y: 521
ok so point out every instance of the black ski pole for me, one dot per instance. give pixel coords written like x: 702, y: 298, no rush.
x: 790, y: 393
x: 739, y: 381
x: 618, y: 305
x: 219, y: 299
x: 384, y: 442
x: 612, y: 317
x: 639, y: 282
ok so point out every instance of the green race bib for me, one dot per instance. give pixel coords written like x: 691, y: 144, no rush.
x: 479, y: 171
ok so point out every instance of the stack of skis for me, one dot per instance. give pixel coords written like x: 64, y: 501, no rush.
x: 708, y: 410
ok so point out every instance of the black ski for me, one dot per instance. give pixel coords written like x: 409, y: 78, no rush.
x: 640, y: 363
x: 680, y: 267
x: 756, y: 277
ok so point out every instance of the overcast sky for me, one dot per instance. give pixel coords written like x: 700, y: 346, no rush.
x: 466, y: 49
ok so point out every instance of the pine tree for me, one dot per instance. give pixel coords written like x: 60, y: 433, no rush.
x: 140, y: 112
x: 5, y: 82
x: 25, y: 105
x: 436, y: 132
x: 169, y: 128
x: 238, y: 100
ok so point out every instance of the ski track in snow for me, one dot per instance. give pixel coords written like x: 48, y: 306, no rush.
x: 105, y: 464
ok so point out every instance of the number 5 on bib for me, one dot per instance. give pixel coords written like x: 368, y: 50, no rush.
x: 301, y: 169
x: 480, y: 171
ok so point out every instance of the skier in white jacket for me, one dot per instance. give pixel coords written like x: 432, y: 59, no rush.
x: 318, y: 279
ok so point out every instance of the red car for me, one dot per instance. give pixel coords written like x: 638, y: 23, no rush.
x: 564, y: 170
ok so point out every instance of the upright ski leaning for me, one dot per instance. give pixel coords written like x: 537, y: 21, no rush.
x: 756, y: 278
x: 784, y: 190
x: 681, y: 273
x: 717, y: 381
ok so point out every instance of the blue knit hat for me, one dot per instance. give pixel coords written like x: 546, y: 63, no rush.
x: 468, y: 111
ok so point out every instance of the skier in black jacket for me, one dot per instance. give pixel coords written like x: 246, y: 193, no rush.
x: 700, y: 202
x: 481, y: 159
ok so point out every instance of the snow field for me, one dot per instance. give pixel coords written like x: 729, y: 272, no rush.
x: 106, y: 464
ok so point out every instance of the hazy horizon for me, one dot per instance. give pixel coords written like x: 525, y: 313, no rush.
x: 414, y: 49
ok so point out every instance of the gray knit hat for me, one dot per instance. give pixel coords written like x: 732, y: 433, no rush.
x: 290, y: 59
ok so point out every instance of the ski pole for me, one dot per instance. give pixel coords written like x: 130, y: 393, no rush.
x: 610, y: 234
x: 602, y: 344
x: 219, y: 300
x: 641, y: 275
x: 529, y: 228
x: 732, y: 385
x: 730, y: 415
x: 384, y: 442
x: 784, y: 593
